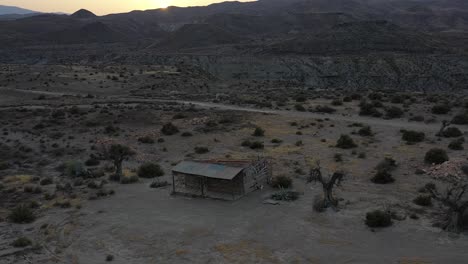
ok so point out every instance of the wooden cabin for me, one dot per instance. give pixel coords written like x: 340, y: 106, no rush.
x: 220, y: 179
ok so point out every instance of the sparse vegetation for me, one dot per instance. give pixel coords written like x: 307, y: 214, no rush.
x: 345, y: 142
x: 22, y: 214
x: 378, y: 218
x: 436, y: 156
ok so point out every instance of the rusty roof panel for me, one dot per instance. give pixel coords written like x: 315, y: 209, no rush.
x: 210, y: 170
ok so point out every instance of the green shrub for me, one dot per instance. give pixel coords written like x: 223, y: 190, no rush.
x: 22, y: 214
x: 187, y: 134
x: 441, y: 109
x: 345, y: 142
x: 276, y: 141
x: 436, y: 156
x: 337, y: 102
x: 378, y: 218
x: 285, y: 196
x: 324, y: 109
x: 257, y: 145
x: 365, y: 131
x: 169, y: 129
x: 412, y: 136
x: 201, y: 150
x: 299, y: 107
x: 367, y: 109
x: 457, y: 144
x: 452, y: 132
x: 75, y: 169
x: 246, y: 143
x: 92, y: 161
x: 150, y: 170
x: 21, y: 242
x: 423, y: 200
x: 382, y: 177
x: 394, y: 112
x: 281, y: 182
x: 258, y: 132
x: 146, y: 140
x: 460, y: 119
x: 4, y: 166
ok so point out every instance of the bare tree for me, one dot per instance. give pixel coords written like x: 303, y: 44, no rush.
x: 117, y: 154
x: 328, y: 200
x: 455, y: 206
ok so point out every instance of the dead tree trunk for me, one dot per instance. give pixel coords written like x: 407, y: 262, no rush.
x: 456, y: 207
x: 327, y: 186
x: 445, y: 124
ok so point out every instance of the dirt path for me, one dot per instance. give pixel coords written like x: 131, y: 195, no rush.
x: 395, y: 123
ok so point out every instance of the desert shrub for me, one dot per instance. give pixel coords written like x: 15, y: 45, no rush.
x: 338, y: 157
x: 285, y: 196
x: 281, y: 182
x: 201, y: 150
x: 276, y: 141
x: 109, y: 258
x: 436, y: 156
x: 382, y: 177
x: 301, y: 99
x: 337, y: 102
x: 256, y: 145
x: 365, y: 131
x: 452, y: 132
x: 460, y: 119
x: 21, y: 242
x: 397, y: 99
x: 22, y: 214
x: 179, y: 116
x: 169, y: 129
x: 324, y: 109
x: 423, y: 200
x: 345, y: 142
x: 111, y: 130
x: 158, y: 184
x: 378, y: 218
x: 258, y: 132
x: 146, y: 140
x: 367, y: 109
x: 32, y: 189
x: 92, y: 161
x: 187, y: 134
x: 440, y: 109
x: 46, y: 181
x: 74, y: 169
x: 384, y: 169
x: 464, y: 168
x: 299, y: 107
x: 412, y: 136
x: 393, y: 112
x: 4, y: 165
x: 246, y: 143
x: 150, y: 170
x: 456, y: 144
x: 129, y: 179
x: 417, y: 118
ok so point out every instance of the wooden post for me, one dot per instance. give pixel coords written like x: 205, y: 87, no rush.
x: 173, y: 183
x: 202, y: 186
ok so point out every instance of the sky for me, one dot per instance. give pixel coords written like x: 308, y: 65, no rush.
x: 102, y: 7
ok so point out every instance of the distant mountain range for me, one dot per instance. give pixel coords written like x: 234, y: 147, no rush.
x: 13, y: 10
x: 322, y: 42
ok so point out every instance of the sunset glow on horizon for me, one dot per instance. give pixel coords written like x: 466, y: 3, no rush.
x: 103, y: 7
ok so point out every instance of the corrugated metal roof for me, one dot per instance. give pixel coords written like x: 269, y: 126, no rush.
x: 211, y: 170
